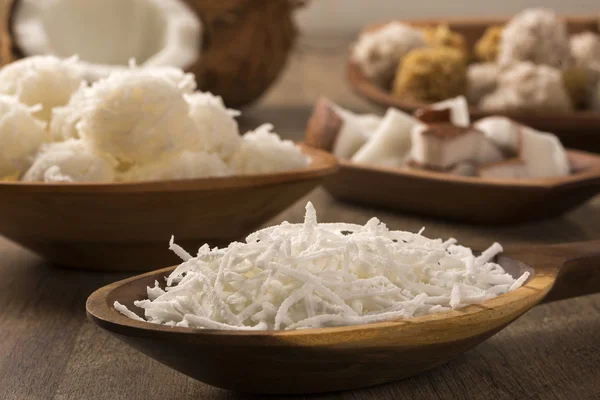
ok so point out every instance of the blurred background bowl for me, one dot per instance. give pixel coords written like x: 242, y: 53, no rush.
x: 577, y: 130
x: 127, y: 226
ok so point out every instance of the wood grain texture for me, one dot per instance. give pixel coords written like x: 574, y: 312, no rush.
x: 49, y: 351
x: 577, y: 129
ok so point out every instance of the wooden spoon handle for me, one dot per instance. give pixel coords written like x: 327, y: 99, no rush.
x: 580, y: 271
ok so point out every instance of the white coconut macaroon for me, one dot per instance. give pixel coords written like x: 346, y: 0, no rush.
x: 218, y: 130
x: 263, y: 151
x: 21, y: 134
x: 71, y: 161
x: 528, y: 87
x: 136, y: 117
x: 482, y: 79
x: 186, y: 165
x: 44, y: 80
x: 107, y: 33
x: 536, y: 35
x: 585, y: 48
x: 379, y: 52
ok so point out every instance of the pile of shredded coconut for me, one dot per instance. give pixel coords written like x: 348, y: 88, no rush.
x: 135, y: 125
x: 311, y: 275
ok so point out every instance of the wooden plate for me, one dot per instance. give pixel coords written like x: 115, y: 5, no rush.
x: 127, y: 226
x: 348, y: 357
x: 578, y: 129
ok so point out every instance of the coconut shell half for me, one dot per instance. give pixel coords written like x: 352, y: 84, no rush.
x: 246, y: 44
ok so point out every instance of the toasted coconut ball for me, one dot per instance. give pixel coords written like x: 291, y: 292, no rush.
x: 482, y: 79
x: 488, y: 46
x: 378, y: 53
x: 528, y: 87
x: 442, y: 36
x: 44, y: 80
x: 264, y: 152
x: 21, y: 134
x: 536, y: 35
x: 136, y: 117
x: 431, y: 74
x: 585, y: 48
x: 579, y: 83
x: 218, y: 131
x: 186, y: 165
x: 71, y: 161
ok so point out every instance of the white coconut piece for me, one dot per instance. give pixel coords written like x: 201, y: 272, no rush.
x: 187, y: 165
x: 354, y: 132
x: 464, y: 169
x: 501, y: 131
x: 47, y: 81
x: 136, y: 117
x: 459, y: 110
x: 155, y: 32
x: 218, y: 130
x: 63, y: 124
x: 21, y: 134
x: 391, y: 143
x: 513, y: 168
x: 263, y: 151
x: 71, y: 161
x: 443, y: 147
x: 543, y: 154
x: 379, y: 52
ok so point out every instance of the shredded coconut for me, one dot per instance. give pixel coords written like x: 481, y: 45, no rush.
x: 311, y: 275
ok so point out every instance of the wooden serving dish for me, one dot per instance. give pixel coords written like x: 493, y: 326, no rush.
x: 342, y: 358
x: 460, y: 198
x: 578, y: 129
x: 127, y: 226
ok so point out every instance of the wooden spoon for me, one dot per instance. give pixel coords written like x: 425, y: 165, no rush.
x: 332, y: 359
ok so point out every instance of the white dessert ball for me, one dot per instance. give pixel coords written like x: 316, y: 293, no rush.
x: 21, y: 134
x: 71, y: 161
x: 186, y: 165
x: 265, y: 152
x: 136, y: 117
x: 44, y: 80
x: 536, y: 35
x: 218, y: 130
x: 482, y: 79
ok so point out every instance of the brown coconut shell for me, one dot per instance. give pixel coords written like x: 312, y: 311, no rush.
x: 246, y: 44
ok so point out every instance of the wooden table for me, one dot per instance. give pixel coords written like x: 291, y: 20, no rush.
x: 48, y: 350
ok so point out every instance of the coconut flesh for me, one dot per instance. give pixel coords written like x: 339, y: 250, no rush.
x: 107, y: 34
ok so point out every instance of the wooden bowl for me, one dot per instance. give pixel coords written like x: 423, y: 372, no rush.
x: 127, y: 226
x: 468, y: 199
x: 331, y: 359
x: 578, y: 129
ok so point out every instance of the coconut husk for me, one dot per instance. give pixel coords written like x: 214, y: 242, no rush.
x: 246, y: 44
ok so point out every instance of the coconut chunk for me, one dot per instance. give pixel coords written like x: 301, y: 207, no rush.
x: 443, y: 145
x: 390, y: 144
x: 501, y: 131
x: 155, y: 32
x: 21, y: 134
x: 459, y: 110
x: 543, y: 154
x: 44, y: 80
x: 71, y: 161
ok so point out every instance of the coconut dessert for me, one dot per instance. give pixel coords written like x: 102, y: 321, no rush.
x: 530, y: 65
x: 134, y: 125
x: 441, y: 138
x: 315, y: 275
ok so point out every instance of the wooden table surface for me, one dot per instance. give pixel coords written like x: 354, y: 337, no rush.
x: 48, y: 349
